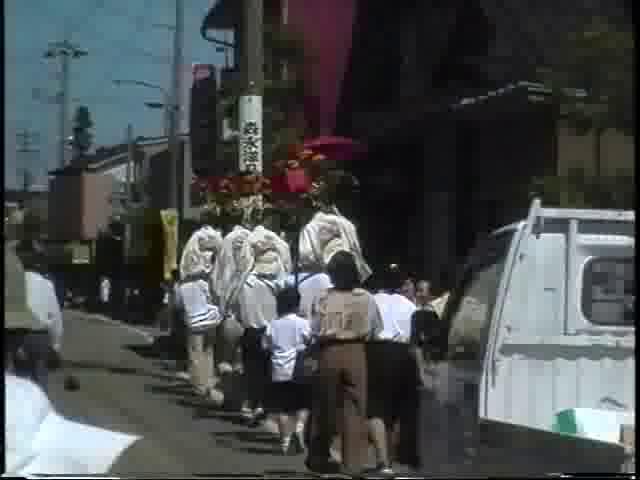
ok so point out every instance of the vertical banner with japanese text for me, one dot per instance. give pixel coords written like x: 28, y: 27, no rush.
x: 250, y: 137
x: 170, y: 229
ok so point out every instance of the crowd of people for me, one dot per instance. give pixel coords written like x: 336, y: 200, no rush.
x: 337, y: 365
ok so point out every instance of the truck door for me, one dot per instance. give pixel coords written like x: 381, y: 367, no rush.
x: 450, y: 414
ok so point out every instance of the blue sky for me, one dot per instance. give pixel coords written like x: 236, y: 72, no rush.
x: 122, y: 42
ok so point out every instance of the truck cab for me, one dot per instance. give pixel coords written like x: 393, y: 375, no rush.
x: 541, y: 322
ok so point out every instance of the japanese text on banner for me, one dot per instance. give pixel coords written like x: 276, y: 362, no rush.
x: 251, y: 133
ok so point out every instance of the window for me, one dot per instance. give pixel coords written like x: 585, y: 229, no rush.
x: 608, y: 291
x: 470, y: 308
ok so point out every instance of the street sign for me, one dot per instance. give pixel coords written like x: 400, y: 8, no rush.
x: 250, y: 133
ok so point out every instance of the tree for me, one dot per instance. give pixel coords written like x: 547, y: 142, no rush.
x: 82, y: 135
x: 591, y: 85
x: 597, y: 60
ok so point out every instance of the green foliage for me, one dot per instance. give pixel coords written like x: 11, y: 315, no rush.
x: 599, y: 60
x: 82, y: 117
x: 82, y: 135
x: 579, y: 190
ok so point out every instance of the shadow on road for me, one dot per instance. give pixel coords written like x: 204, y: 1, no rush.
x: 175, y: 388
x: 260, y: 443
x: 159, y: 349
x: 289, y: 473
x: 229, y: 416
x: 252, y: 441
x: 117, y: 369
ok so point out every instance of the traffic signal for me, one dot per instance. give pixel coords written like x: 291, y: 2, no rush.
x: 203, y: 122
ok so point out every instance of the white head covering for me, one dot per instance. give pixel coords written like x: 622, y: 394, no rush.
x: 198, y: 253
x: 272, y: 256
x: 327, y: 234
x: 232, y: 262
x: 40, y: 441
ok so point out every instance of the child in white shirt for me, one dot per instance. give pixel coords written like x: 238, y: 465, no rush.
x: 286, y: 340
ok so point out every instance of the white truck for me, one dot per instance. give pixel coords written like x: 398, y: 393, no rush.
x: 541, y: 328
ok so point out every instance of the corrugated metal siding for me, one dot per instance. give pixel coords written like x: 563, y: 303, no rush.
x: 536, y: 382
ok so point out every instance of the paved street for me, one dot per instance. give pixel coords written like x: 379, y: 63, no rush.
x: 122, y: 390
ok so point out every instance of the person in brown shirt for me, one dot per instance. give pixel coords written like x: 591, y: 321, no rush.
x: 343, y: 320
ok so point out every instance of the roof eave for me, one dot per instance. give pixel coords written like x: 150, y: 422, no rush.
x: 221, y: 16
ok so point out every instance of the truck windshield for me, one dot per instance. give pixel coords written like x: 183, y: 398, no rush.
x: 470, y: 307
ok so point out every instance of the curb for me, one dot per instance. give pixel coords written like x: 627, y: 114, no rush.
x: 96, y: 317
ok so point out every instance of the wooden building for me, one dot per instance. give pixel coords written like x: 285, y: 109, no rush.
x: 441, y: 93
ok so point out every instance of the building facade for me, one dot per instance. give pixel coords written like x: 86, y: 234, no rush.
x: 441, y: 170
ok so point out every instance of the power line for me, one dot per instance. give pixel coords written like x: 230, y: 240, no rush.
x: 127, y: 45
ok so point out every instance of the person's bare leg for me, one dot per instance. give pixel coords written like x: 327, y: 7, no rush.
x: 378, y: 437
x: 336, y: 448
x: 301, y: 421
x: 285, y: 427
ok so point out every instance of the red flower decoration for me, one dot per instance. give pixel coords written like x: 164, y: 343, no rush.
x: 298, y: 181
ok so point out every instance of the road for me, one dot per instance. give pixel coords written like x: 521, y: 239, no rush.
x: 126, y: 391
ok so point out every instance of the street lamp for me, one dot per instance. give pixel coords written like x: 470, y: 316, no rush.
x: 166, y: 105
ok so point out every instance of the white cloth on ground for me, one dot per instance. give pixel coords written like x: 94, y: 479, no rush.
x: 40, y: 441
x: 200, y: 312
x: 284, y: 338
x: 396, y: 311
x: 43, y: 302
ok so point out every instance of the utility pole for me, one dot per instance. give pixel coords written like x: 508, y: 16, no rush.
x: 250, y: 105
x: 176, y: 110
x: 65, y: 51
x: 26, y: 139
x: 131, y: 143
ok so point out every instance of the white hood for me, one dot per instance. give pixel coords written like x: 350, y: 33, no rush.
x: 232, y: 262
x: 271, y: 254
x: 198, y: 253
x: 327, y: 234
x: 40, y: 441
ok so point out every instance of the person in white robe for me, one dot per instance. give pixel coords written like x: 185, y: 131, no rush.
x: 257, y: 307
x: 201, y: 313
x: 43, y: 302
x: 231, y: 265
x: 319, y: 240
x: 324, y: 236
